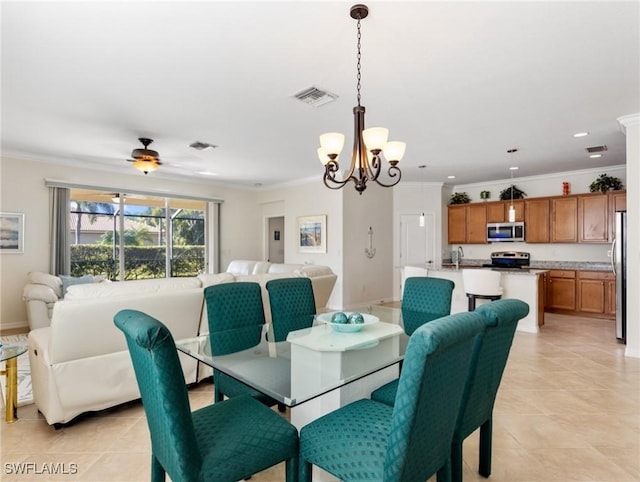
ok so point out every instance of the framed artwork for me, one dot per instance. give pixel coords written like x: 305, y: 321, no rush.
x: 312, y: 234
x: 11, y: 233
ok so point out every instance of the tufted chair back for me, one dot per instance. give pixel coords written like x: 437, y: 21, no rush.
x: 425, y: 299
x: 293, y: 306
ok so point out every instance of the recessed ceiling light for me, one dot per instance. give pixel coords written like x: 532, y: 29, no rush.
x: 208, y: 173
x: 594, y: 156
x: 514, y: 168
x: 581, y: 134
x: 451, y: 177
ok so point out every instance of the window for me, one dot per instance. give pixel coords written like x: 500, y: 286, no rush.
x: 133, y: 236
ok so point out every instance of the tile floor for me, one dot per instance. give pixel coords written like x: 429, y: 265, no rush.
x: 568, y: 410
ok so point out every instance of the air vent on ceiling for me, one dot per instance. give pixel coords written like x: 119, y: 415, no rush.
x: 315, y: 97
x: 201, y: 146
x: 591, y: 150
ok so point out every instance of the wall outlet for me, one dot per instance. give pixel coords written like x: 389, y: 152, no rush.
x: 608, y: 253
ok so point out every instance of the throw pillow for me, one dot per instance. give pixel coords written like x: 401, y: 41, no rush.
x: 73, y: 280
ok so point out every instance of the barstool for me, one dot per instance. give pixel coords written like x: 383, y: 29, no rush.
x: 481, y: 283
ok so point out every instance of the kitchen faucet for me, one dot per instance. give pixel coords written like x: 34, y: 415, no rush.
x: 459, y: 256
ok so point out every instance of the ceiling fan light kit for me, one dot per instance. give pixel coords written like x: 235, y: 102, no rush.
x: 368, y: 144
x: 145, y: 160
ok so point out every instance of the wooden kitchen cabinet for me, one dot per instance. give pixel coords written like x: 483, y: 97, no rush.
x: 536, y: 214
x: 457, y: 224
x: 561, y: 290
x: 595, y: 293
x: 617, y: 202
x: 498, y: 212
x: 593, y: 218
x: 467, y: 224
x: 564, y: 219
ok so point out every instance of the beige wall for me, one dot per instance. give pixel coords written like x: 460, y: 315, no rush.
x: 22, y: 190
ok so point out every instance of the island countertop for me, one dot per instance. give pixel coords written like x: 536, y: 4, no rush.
x: 525, y: 285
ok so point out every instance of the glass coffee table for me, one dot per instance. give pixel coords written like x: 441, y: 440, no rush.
x: 9, y: 354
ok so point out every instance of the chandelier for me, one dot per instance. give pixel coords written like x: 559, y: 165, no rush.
x: 368, y: 144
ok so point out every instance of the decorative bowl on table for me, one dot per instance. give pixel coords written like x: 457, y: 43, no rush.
x: 350, y: 323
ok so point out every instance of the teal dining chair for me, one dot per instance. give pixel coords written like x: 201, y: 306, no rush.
x: 369, y: 440
x: 487, y: 366
x: 225, y: 441
x: 293, y: 305
x: 235, y: 315
x: 423, y: 300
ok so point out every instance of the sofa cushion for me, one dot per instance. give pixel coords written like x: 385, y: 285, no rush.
x: 208, y: 279
x: 127, y: 288
x: 53, y: 282
x: 261, y: 267
x: 39, y: 292
x: 277, y: 268
x: 241, y: 266
x: 68, y: 281
x: 312, y: 270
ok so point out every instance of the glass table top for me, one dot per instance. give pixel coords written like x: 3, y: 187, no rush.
x: 12, y: 351
x: 314, y: 360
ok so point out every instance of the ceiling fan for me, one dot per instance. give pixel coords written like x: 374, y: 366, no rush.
x: 145, y: 160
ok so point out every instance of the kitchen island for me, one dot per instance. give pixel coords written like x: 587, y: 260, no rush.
x: 525, y: 284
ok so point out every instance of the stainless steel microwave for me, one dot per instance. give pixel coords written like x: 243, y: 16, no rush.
x: 500, y: 232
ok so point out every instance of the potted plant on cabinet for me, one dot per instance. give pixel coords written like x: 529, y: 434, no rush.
x: 512, y: 192
x: 604, y: 183
x: 459, y: 198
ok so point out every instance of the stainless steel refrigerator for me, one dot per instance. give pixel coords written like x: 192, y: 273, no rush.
x: 619, y: 265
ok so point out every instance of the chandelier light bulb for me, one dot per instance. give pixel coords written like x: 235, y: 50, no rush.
x: 394, y: 151
x: 375, y: 138
x: 332, y: 142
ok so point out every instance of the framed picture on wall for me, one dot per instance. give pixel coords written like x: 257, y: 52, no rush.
x: 312, y: 234
x: 11, y: 233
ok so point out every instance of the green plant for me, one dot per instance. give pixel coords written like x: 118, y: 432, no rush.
x: 505, y: 194
x: 604, y: 183
x: 459, y: 198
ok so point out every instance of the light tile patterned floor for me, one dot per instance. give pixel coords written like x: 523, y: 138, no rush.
x: 568, y: 410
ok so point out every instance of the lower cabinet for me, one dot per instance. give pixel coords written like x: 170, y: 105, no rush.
x: 597, y: 293
x: 561, y: 290
x: 585, y: 293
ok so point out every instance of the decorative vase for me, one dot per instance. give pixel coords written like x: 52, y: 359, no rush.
x: 565, y: 188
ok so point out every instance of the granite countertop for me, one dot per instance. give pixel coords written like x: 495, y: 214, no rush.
x: 536, y: 266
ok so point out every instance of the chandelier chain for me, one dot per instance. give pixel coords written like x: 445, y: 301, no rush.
x: 359, y: 57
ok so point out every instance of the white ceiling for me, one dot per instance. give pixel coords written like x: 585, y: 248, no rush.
x: 460, y: 82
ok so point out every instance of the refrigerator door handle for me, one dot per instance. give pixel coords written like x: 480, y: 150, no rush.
x: 613, y: 255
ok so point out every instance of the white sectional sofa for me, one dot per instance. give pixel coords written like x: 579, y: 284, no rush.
x: 79, y: 360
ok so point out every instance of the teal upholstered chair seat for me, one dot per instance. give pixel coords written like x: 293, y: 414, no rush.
x: 368, y: 440
x: 423, y: 300
x: 235, y: 315
x: 293, y: 305
x: 226, y: 441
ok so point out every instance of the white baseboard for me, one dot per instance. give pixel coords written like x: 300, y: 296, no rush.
x: 12, y: 325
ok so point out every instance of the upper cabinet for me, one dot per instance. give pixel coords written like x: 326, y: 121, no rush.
x: 578, y: 218
x: 536, y: 220
x: 564, y: 219
x: 593, y: 218
x: 467, y: 224
x: 498, y: 211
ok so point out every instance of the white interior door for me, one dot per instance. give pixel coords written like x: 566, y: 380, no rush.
x: 416, y: 242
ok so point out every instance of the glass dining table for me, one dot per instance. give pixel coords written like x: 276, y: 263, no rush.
x: 317, y: 369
